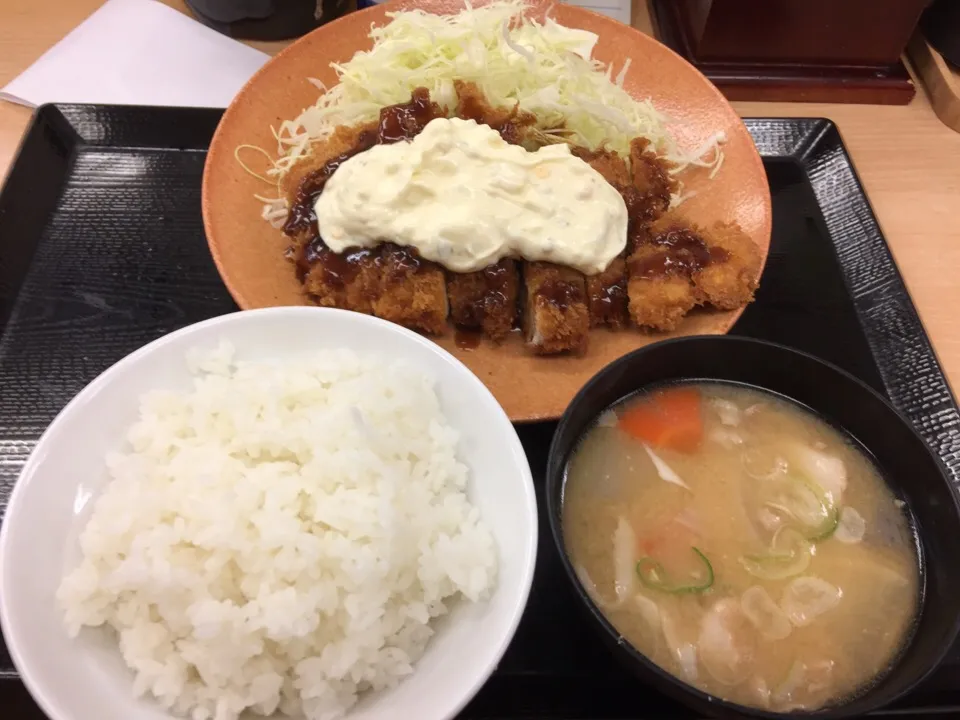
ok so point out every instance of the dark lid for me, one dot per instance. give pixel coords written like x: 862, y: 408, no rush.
x: 266, y: 19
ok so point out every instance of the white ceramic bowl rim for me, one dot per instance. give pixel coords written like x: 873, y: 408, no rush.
x: 32, y: 513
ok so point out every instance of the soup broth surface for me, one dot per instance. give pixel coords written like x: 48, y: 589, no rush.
x: 742, y: 544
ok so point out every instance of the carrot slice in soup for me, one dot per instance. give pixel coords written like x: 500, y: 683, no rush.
x: 670, y: 419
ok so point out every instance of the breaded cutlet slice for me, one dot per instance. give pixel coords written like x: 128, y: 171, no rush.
x: 657, y: 300
x: 304, y: 181
x: 350, y: 281
x: 346, y: 141
x: 343, y: 140
x: 556, y: 318
x: 728, y: 282
x: 659, y: 293
x: 650, y: 176
x: 412, y: 292
x: 512, y: 123
x: 607, y: 163
x: 607, y: 295
x: 486, y: 299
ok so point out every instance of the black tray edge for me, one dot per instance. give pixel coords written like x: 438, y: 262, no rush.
x: 786, y: 137
x: 910, y: 370
x: 908, y: 363
x: 27, y: 197
x: 140, y: 126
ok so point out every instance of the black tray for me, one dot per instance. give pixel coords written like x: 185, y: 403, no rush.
x: 102, y: 250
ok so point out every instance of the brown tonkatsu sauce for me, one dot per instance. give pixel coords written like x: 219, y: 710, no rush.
x: 485, y: 299
x: 407, y: 120
x: 610, y: 304
x: 468, y: 338
x: 495, y: 279
x: 642, y: 207
x: 302, y: 216
x: 682, y: 252
x: 338, y: 269
x: 403, y: 261
x: 561, y: 294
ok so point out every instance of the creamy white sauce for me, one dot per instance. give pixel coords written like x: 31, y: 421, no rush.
x: 465, y: 198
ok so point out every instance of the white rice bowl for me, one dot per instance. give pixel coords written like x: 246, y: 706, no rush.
x: 282, y: 536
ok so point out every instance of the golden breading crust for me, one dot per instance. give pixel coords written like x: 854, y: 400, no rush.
x: 651, y: 178
x: 512, y: 123
x: 350, y: 281
x: 486, y: 299
x: 607, y: 163
x: 343, y: 140
x: 657, y: 300
x: 556, y: 318
x: 731, y: 282
x: 676, y: 264
x: 412, y: 291
x: 304, y: 181
x: 607, y: 295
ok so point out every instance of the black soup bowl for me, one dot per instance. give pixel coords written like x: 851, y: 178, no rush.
x: 913, y: 472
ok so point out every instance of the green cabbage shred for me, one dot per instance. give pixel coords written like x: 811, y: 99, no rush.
x: 544, y: 67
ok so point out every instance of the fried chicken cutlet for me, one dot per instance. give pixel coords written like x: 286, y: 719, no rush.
x: 650, y: 177
x: 556, y: 318
x: 412, y: 292
x: 390, y: 282
x: 513, y: 124
x: 305, y: 180
x: 607, y: 290
x: 677, y: 265
x: 731, y: 283
x: 486, y: 299
x: 607, y: 296
x: 349, y: 281
x: 668, y: 267
x: 606, y: 162
x: 659, y: 294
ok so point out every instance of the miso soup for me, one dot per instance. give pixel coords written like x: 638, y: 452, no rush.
x: 742, y: 544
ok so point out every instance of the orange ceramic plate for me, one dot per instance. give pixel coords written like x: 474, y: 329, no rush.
x: 249, y: 253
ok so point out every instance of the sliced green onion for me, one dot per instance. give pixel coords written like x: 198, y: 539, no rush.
x: 827, y: 529
x: 653, y: 575
x: 829, y: 525
x: 819, y: 517
x: 774, y: 568
x: 780, y: 562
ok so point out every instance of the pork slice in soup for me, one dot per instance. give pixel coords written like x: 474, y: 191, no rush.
x: 743, y: 544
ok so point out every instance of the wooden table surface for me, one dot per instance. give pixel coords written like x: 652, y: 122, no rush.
x: 907, y: 159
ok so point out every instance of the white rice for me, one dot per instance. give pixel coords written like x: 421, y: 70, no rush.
x: 280, y: 537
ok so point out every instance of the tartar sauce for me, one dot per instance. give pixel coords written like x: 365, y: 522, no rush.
x: 465, y: 198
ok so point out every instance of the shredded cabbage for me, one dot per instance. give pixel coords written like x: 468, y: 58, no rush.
x: 544, y: 67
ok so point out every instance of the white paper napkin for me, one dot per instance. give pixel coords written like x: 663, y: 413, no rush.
x: 138, y: 52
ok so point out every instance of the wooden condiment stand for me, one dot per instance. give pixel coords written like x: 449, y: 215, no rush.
x: 796, y: 50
